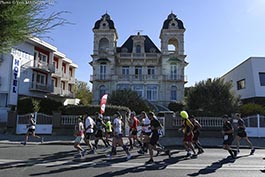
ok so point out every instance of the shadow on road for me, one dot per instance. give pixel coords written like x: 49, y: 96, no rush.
x: 60, y: 156
x: 160, y: 165
x: 213, y: 167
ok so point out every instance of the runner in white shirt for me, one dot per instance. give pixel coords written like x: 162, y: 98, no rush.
x: 117, y: 136
x: 31, y: 130
x: 89, y: 131
x: 146, y: 132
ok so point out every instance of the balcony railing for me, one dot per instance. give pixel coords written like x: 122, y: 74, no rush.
x: 61, y: 92
x: 100, y: 77
x: 41, y: 87
x: 140, y: 77
x: 44, y: 66
x: 67, y: 93
x: 138, y: 55
x: 65, y: 76
x: 176, y: 77
x: 71, y: 80
x: 57, y: 90
x: 58, y: 72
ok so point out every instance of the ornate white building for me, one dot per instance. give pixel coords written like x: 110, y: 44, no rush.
x: 138, y: 64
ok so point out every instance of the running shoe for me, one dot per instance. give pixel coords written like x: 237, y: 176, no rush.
x: 83, y: 153
x: 235, y: 154
x: 200, y: 151
x: 157, y: 153
x: 150, y: 161
x: 168, y: 153
x: 78, y: 156
x: 129, y: 156
x: 188, y: 154
x: 92, y: 151
x: 194, y: 156
x: 252, y: 151
x: 140, y: 152
x: 109, y: 156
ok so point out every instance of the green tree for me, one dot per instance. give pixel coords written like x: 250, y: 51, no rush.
x: 251, y: 109
x: 36, y: 104
x: 128, y: 98
x: 212, y: 98
x: 22, y: 19
x: 83, y: 93
x: 174, y: 106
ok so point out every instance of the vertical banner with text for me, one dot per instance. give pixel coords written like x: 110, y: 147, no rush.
x: 15, y: 74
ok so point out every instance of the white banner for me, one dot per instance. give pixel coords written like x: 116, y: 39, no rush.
x: 13, y: 94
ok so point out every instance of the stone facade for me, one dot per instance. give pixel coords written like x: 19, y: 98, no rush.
x: 156, y: 74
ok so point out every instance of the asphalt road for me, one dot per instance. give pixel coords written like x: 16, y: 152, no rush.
x: 58, y: 160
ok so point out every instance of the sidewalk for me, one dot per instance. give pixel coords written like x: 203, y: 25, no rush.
x: 166, y: 141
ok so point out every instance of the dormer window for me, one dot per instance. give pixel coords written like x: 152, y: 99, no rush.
x: 138, y: 48
x: 104, y: 25
x: 173, y: 24
x: 124, y: 50
x: 152, y: 50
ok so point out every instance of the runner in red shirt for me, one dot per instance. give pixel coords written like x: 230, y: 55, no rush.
x: 133, y: 123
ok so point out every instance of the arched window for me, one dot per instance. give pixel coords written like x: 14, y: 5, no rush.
x: 172, y: 45
x: 103, y: 44
x: 173, y: 93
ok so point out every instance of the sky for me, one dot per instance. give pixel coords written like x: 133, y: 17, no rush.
x: 220, y: 34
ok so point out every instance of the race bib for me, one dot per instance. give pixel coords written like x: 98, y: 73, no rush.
x: 226, y: 137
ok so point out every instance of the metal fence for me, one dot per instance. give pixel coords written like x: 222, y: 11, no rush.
x: 69, y: 119
x: 255, y: 125
x: 43, y: 123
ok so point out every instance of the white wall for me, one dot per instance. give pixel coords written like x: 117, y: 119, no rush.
x: 5, y: 74
x: 258, y: 65
x: 248, y: 70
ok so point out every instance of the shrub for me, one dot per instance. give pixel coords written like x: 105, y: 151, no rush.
x: 47, y: 106
x: 251, y: 109
x: 176, y: 107
x: 43, y: 105
x: 92, y: 109
x: 25, y: 106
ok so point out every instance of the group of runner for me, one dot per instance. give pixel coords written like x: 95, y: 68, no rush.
x: 104, y: 129
x: 236, y: 132
x: 148, y: 139
x: 191, y: 130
